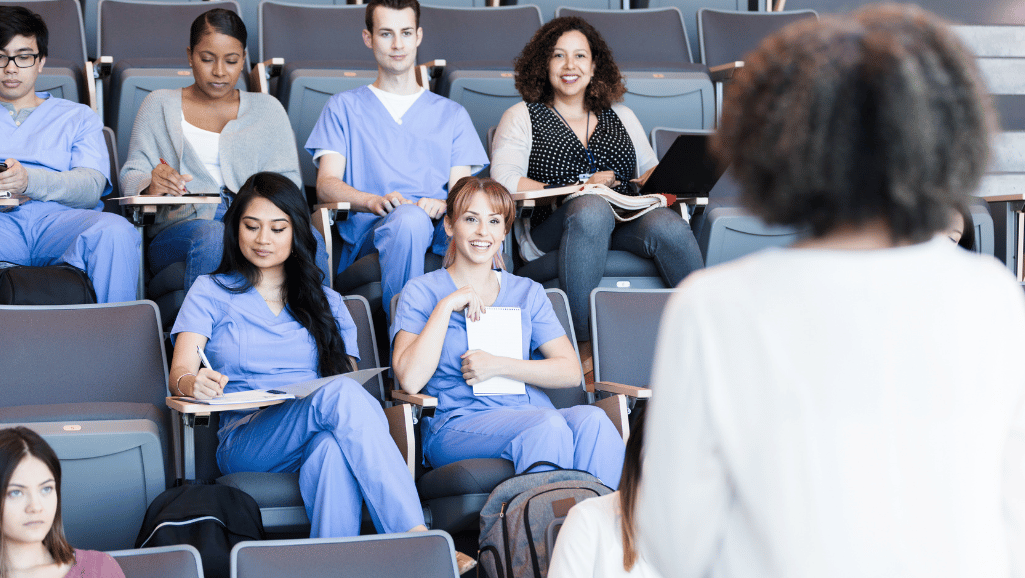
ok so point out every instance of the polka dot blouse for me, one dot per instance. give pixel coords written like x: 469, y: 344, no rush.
x: 557, y: 157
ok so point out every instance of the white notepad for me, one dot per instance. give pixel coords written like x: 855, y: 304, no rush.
x: 498, y: 332
x: 293, y: 391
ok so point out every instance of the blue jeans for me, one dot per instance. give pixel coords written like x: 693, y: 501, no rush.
x: 200, y: 243
x: 583, y: 230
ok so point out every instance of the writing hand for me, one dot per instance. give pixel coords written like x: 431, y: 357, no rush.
x: 166, y: 181
x: 208, y: 384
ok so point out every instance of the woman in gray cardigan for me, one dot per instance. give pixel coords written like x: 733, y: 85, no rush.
x: 206, y: 139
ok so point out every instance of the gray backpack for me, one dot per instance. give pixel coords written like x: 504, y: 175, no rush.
x: 522, y: 517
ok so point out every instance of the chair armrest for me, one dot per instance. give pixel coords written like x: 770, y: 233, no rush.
x: 400, y: 425
x: 103, y: 66
x: 143, y: 208
x: 184, y: 406
x: 417, y: 399
x: 263, y: 72
x: 14, y: 201
x: 429, y: 70
x: 723, y: 72
x: 681, y: 204
x: 90, y: 85
x: 623, y: 389
x: 336, y: 211
x: 615, y: 408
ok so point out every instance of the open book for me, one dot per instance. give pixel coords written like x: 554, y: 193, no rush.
x: 293, y: 391
x: 624, y: 207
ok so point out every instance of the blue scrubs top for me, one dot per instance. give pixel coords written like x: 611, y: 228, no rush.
x: 381, y: 155
x: 455, y: 397
x: 248, y: 343
x: 58, y: 136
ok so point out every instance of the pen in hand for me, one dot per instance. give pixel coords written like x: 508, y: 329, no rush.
x: 206, y: 363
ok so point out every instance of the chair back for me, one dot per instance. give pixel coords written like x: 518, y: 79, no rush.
x: 63, y: 76
x: 624, y: 329
x: 359, y: 310
x: 475, y: 30
x: 663, y: 44
x: 1000, y: 55
x: 121, y: 35
x: 569, y: 396
x: 179, y: 561
x: 423, y: 554
x: 728, y: 35
x: 329, y: 32
x: 662, y: 138
x: 82, y: 353
x: 690, y: 8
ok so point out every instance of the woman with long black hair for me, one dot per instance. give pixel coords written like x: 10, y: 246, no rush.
x: 265, y: 321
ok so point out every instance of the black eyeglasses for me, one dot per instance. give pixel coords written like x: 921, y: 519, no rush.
x: 20, y: 60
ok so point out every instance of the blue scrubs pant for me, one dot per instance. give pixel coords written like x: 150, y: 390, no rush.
x: 200, y: 243
x: 104, y: 245
x: 402, y: 238
x: 338, y: 440
x: 580, y: 437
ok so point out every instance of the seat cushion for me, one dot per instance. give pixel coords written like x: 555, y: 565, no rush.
x: 270, y: 490
x: 473, y: 476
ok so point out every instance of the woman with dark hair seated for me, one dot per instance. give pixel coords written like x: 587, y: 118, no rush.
x: 206, y: 139
x: 266, y: 321
x: 33, y: 542
x: 569, y: 130
x: 818, y: 411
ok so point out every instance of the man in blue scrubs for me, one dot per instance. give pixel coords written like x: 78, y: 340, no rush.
x: 56, y: 160
x: 391, y: 150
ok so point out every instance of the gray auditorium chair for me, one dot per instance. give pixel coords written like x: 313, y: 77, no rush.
x: 179, y: 561
x: 423, y: 554
x: 67, y: 73
x: 550, y: 7
x: 725, y: 36
x: 479, y: 66
x: 455, y: 493
x: 730, y: 232
x: 1000, y: 55
x: 277, y: 494
x: 662, y: 138
x: 92, y: 379
x: 308, y: 68
x: 982, y: 12
x: 140, y: 61
x: 663, y: 85
x: 624, y: 331
x: 689, y: 8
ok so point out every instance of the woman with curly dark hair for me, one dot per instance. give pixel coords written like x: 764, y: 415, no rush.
x: 569, y: 130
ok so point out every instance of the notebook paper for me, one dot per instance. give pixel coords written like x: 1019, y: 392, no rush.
x: 498, y: 332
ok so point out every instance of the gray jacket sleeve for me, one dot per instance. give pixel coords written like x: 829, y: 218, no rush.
x: 79, y: 188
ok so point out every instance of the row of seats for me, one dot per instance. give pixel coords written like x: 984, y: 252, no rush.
x: 102, y: 370
x: 426, y: 554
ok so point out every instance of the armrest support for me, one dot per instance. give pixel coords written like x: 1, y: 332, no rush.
x: 263, y: 72
x: 400, y: 425
x: 417, y: 399
x: 90, y: 85
x: 103, y: 67
x: 527, y: 200
x: 723, y: 72
x: 615, y: 408
x: 429, y: 70
x: 623, y: 389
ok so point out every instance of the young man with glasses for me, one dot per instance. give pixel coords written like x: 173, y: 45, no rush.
x: 57, y: 162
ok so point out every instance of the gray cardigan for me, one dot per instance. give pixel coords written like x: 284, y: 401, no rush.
x: 260, y: 139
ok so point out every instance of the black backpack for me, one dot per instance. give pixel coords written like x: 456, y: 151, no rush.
x: 523, y: 515
x: 212, y: 518
x: 51, y: 285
